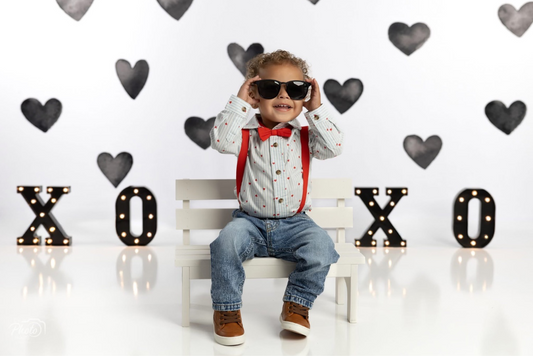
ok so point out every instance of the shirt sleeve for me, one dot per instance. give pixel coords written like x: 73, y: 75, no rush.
x: 325, y: 137
x: 226, y: 134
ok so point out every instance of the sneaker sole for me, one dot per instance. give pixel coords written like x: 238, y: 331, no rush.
x: 295, y: 328
x: 229, y: 341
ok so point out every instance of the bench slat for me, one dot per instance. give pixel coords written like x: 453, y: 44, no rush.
x: 205, y: 189
x: 212, y: 219
x: 216, y: 189
x: 332, y: 218
x: 202, y: 219
x: 332, y: 188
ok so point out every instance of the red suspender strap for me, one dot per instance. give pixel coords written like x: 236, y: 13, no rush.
x: 241, y: 162
x: 304, y: 140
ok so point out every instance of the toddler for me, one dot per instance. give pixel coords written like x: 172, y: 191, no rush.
x: 274, y: 157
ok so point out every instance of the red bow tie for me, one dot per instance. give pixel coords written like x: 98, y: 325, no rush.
x: 265, y: 133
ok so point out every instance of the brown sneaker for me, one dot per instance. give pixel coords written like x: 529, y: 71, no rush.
x: 295, y: 317
x: 228, y: 327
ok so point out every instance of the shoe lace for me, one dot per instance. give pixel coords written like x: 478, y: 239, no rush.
x: 299, y: 309
x: 227, y: 317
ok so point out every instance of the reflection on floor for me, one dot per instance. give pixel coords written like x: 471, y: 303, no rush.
x: 432, y: 300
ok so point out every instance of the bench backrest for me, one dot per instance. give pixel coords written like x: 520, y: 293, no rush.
x: 338, y: 217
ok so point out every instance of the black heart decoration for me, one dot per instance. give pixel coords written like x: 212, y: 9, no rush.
x: 314, y: 1
x: 42, y: 117
x: 175, y: 8
x: 342, y: 97
x: 115, y: 169
x: 198, y: 130
x: 408, y: 39
x: 132, y: 79
x: 75, y: 8
x: 423, y: 153
x: 503, y: 118
x: 518, y: 22
x: 240, y: 57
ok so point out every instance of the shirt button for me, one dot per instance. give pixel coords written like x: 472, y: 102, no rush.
x: 278, y: 172
x: 244, y: 109
x: 281, y: 200
x: 275, y: 144
x: 316, y: 117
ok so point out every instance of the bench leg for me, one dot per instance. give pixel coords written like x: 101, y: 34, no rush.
x: 185, y: 296
x: 351, y: 283
x: 340, y: 291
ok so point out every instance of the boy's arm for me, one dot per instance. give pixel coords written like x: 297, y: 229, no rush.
x: 325, y: 137
x: 226, y: 134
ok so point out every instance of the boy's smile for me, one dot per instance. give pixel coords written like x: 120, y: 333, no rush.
x: 282, y: 108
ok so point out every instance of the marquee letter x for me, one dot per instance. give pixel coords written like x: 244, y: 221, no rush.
x: 381, y: 220
x: 43, y: 216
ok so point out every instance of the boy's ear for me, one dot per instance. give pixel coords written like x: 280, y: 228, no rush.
x: 252, y: 95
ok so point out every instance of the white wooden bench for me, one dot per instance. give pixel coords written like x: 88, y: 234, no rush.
x: 195, y: 259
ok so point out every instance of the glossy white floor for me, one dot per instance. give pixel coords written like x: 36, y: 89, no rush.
x: 424, y: 300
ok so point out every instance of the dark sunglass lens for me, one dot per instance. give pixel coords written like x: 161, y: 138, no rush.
x: 268, y: 89
x: 297, y: 89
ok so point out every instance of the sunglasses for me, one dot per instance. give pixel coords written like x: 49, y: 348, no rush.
x: 269, y: 88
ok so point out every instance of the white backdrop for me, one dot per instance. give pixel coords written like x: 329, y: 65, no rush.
x: 442, y: 89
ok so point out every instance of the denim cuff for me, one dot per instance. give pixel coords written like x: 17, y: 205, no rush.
x: 227, y: 306
x: 298, y: 300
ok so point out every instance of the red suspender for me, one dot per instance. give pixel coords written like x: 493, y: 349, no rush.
x: 243, y: 154
x: 304, y: 139
x: 241, y: 162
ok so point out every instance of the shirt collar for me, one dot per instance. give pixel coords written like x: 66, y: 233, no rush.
x: 254, y: 123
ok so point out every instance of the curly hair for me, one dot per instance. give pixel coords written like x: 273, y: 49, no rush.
x: 277, y: 57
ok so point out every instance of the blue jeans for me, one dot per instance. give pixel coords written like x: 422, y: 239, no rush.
x: 297, y: 239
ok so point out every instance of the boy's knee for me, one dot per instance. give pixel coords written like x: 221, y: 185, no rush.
x: 321, y: 240
x: 226, y: 241
x: 320, y: 249
x: 327, y: 245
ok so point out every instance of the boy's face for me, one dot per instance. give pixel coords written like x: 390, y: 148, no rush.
x: 271, y: 111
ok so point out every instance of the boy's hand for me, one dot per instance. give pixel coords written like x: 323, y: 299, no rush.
x: 246, y: 92
x: 313, y: 103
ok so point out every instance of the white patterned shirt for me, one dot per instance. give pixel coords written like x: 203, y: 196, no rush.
x: 272, y: 184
